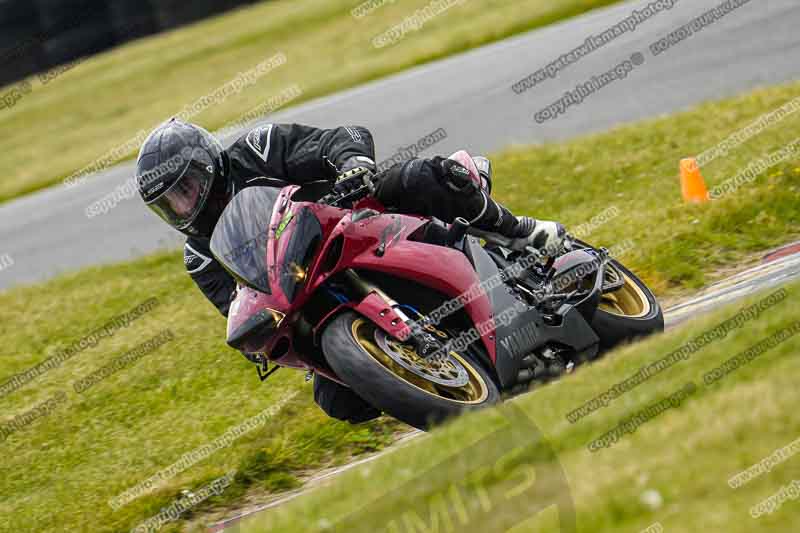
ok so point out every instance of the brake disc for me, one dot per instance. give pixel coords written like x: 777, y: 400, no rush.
x: 442, y: 370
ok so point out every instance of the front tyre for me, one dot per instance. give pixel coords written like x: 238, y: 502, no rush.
x: 391, y: 375
x: 628, y: 313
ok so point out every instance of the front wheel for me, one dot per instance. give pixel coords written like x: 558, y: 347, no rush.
x: 393, y: 377
x: 630, y: 312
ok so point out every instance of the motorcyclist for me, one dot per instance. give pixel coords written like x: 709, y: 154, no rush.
x: 187, y: 178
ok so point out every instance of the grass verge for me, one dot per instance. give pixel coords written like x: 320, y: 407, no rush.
x: 104, y: 102
x: 672, y: 470
x: 59, y: 471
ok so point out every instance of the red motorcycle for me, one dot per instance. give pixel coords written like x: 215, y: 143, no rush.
x: 422, y: 319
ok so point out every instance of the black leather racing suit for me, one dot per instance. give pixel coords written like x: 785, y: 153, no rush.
x: 296, y: 154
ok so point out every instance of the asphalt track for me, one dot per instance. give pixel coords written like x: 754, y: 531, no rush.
x: 470, y: 97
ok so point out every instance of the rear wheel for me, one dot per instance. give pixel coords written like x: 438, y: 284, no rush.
x: 630, y: 312
x: 393, y: 377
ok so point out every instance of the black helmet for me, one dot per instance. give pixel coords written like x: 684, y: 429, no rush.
x: 181, y: 175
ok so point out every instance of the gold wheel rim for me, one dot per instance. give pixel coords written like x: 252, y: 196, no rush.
x: 474, y: 392
x: 629, y: 300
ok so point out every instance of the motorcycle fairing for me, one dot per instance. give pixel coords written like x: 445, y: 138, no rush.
x: 383, y: 241
x: 308, y: 232
x: 303, y: 230
x: 525, y: 331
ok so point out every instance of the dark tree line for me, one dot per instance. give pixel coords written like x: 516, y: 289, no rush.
x: 36, y: 35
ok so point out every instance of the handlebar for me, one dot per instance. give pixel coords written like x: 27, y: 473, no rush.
x: 334, y: 199
x: 369, y: 178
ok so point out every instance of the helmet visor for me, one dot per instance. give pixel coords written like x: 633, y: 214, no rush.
x: 182, y: 202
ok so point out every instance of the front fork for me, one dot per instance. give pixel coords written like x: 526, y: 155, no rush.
x: 403, y: 327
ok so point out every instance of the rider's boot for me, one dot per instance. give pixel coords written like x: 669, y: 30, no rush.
x: 525, y: 231
x: 492, y: 216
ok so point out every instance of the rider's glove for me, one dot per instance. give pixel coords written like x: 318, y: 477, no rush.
x: 544, y: 235
x: 454, y: 175
x: 354, y: 173
x: 355, y: 179
x: 356, y: 162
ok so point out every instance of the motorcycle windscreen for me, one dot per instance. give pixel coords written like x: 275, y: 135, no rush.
x: 240, y: 238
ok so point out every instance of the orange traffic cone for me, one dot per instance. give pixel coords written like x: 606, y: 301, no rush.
x: 693, y: 186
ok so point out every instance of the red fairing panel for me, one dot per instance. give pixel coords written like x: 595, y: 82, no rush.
x: 249, y: 302
x: 443, y: 269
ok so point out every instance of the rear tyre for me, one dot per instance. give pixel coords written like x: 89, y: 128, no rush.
x: 629, y: 313
x: 391, y: 376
